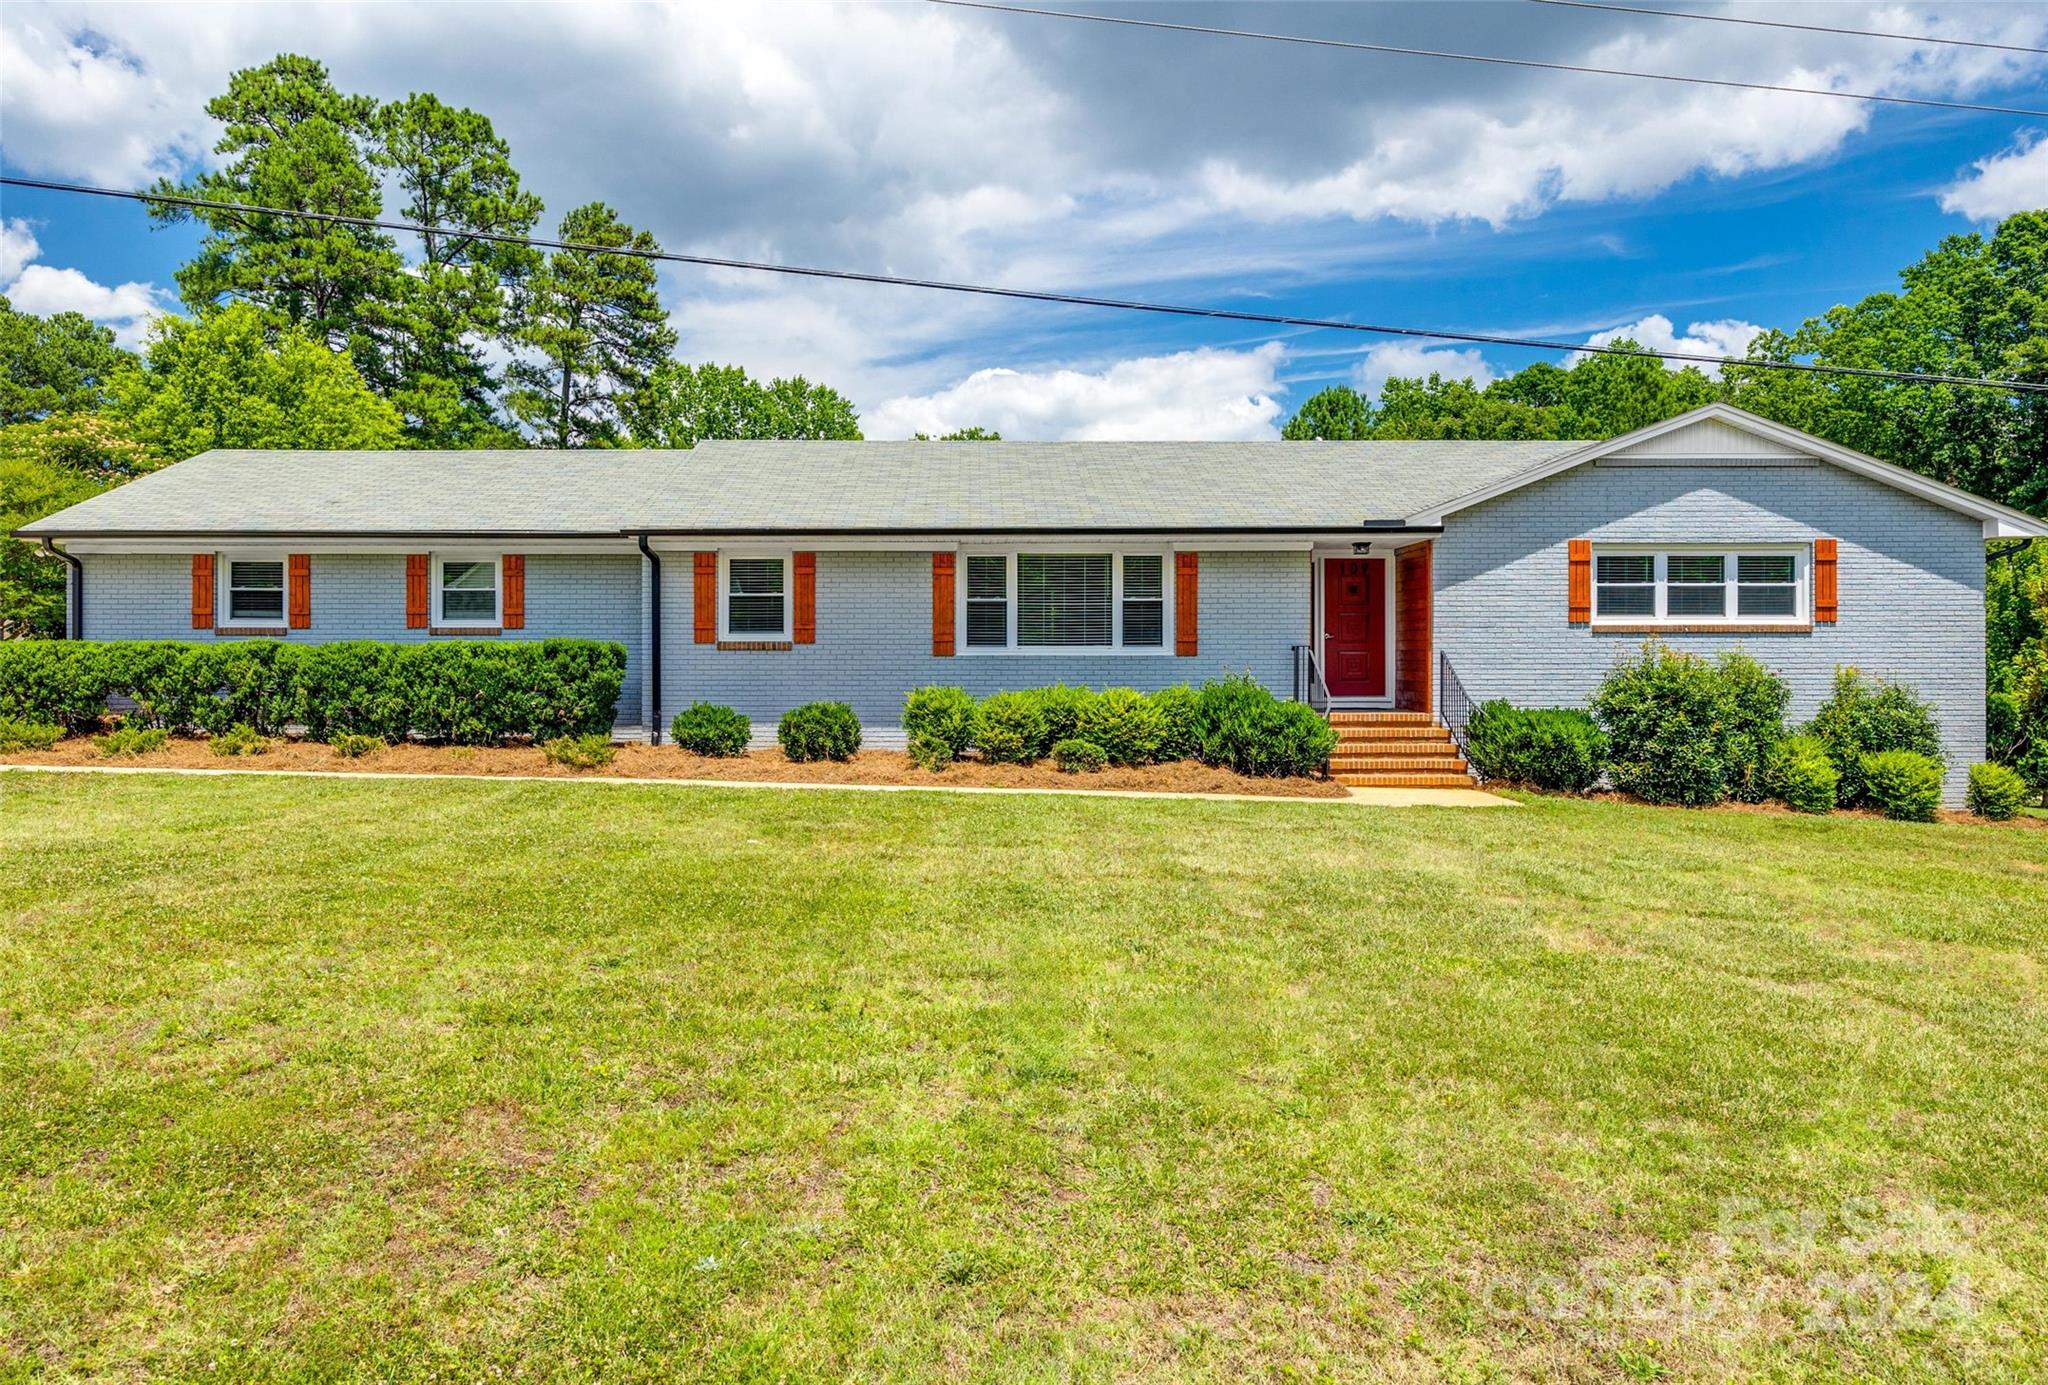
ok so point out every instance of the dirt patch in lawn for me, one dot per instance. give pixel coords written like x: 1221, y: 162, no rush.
x: 666, y: 762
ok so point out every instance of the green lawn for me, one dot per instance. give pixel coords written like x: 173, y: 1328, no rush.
x: 400, y: 1080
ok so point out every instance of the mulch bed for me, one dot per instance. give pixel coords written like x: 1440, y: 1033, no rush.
x: 666, y: 762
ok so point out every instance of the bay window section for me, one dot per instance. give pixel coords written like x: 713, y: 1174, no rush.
x: 1049, y: 602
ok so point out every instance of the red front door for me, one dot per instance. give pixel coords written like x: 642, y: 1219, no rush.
x: 1355, y: 626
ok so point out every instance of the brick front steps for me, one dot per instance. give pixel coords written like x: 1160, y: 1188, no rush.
x: 1396, y: 750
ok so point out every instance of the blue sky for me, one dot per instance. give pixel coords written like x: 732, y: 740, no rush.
x: 956, y: 144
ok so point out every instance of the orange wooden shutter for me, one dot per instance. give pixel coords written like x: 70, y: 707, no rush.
x: 299, y: 591
x: 1186, y: 604
x: 704, y: 594
x: 1579, y: 587
x: 804, y: 611
x: 415, y: 591
x: 512, y: 615
x: 942, y: 605
x: 202, y: 591
x: 1824, y: 581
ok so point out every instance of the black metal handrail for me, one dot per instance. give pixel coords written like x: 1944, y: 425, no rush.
x: 1308, y: 680
x: 1453, y: 704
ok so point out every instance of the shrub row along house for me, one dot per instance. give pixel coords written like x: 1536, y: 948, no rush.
x: 1413, y: 577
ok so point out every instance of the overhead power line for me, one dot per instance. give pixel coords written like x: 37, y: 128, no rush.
x: 1497, y: 61
x: 1027, y: 295
x: 1787, y: 24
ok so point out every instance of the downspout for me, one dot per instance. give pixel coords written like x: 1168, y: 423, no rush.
x: 653, y: 642
x: 74, y: 606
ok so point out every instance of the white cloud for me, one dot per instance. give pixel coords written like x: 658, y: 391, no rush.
x: 1191, y: 395
x: 2013, y: 181
x: 1726, y: 337
x: 43, y: 290
x: 1381, y: 363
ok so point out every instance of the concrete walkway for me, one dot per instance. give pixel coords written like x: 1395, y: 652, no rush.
x: 1384, y: 798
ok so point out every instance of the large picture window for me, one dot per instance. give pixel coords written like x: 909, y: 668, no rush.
x: 255, y: 591
x: 1038, y: 602
x: 1699, y: 586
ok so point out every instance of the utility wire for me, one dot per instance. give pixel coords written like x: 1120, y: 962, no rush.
x: 1028, y: 295
x: 1786, y: 24
x: 1447, y: 55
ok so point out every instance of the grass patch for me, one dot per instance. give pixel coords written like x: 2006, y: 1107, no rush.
x: 408, y: 1079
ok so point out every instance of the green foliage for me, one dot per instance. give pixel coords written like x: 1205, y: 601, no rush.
x: 1798, y: 772
x: 706, y: 728
x: 1009, y: 728
x: 1124, y: 723
x: 940, y: 716
x: 16, y: 734
x: 240, y: 739
x: 1076, y: 756
x: 597, y: 324
x: 54, y: 365
x: 1247, y: 729
x: 1666, y: 713
x: 127, y: 739
x: 230, y: 378
x: 682, y: 405
x: 351, y: 746
x: 1336, y: 414
x: 581, y: 752
x: 1995, y: 791
x: 974, y: 433
x: 930, y: 754
x: 1180, y: 722
x: 1902, y: 784
x: 819, y: 731
x: 1865, y: 715
x: 1559, y: 749
x: 1756, y: 721
x: 1061, y: 707
x: 474, y: 692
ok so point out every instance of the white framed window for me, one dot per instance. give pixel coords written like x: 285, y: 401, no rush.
x: 754, y: 596
x: 251, y: 589
x: 1066, y: 600
x: 1700, y: 584
x: 466, y: 590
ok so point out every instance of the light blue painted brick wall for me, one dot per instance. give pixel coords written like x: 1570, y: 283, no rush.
x: 875, y: 640
x: 1911, y: 578
x: 361, y: 596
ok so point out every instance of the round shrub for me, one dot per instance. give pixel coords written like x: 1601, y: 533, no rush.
x: 1799, y: 773
x: 1180, y: 722
x: 1009, y: 728
x: 1555, y: 748
x: 1996, y: 791
x: 1664, y: 712
x: 1124, y: 724
x: 930, y: 754
x: 939, y: 715
x: 1863, y: 716
x: 1902, y: 784
x: 819, y: 731
x: 351, y: 746
x: 131, y: 740
x: 1247, y: 729
x: 240, y: 739
x: 1061, y: 707
x: 1076, y: 756
x: 705, y: 728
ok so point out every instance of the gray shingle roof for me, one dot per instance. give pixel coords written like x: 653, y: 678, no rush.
x: 803, y: 486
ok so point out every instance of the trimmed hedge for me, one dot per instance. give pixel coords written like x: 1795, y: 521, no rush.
x: 1865, y: 716
x: 1247, y: 729
x: 1683, y: 729
x: 1076, y: 756
x: 1123, y: 724
x: 706, y: 728
x: 1996, y: 791
x: 1902, y: 784
x: 1009, y: 728
x: 940, y: 716
x: 819, y: 731
x: 1555, y: 748
x: 1799, y: 773
x: 473, y: 692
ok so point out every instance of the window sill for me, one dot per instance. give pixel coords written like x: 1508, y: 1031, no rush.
x: 1075, y: 651
x: 459, y: 630
x: 756, y: 645
x: 1707, y: 628
x: 246, y: 632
